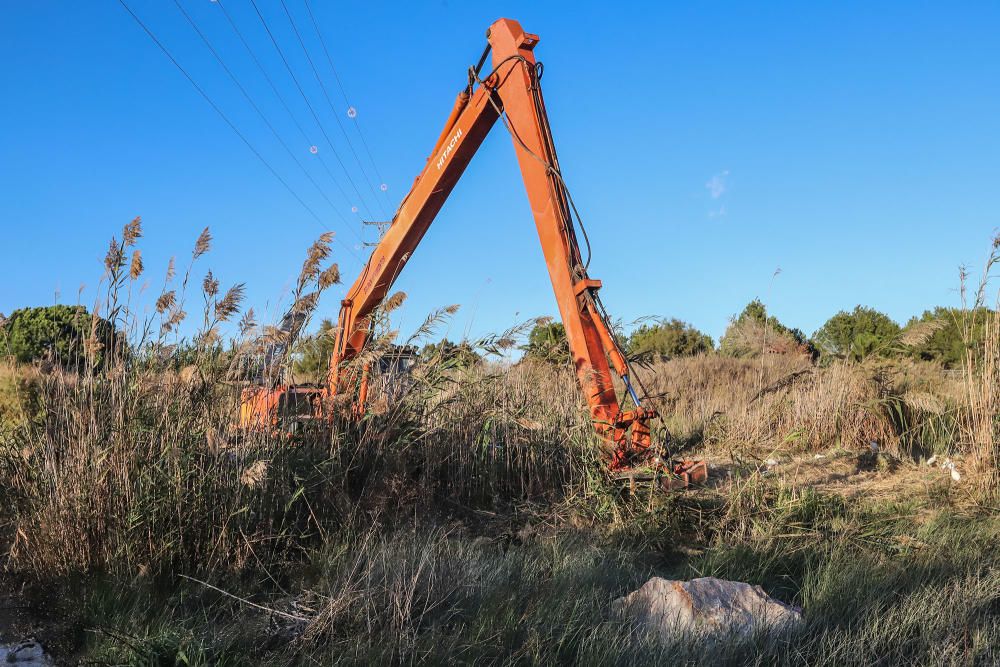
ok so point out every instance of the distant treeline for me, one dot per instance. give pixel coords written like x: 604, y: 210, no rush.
x: 942, y: 335
x: 58, y: 334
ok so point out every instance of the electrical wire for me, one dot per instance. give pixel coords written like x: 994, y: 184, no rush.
x: 309, y: 105
x: 256, y: 108
x: 329, y: 102
x: 226, y: 119
x: 343, y: 92
x: 281, y: 99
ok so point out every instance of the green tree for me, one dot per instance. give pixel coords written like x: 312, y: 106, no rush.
x: 670, y: 338
x: 547, y: 342
x: 858, y: 334
x: 312, y: 353
x: 54, y: 333
x: 945, y: 334
x: 456, y: 354
x: 753, y: 331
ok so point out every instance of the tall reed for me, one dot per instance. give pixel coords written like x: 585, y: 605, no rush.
x: 982, y: 372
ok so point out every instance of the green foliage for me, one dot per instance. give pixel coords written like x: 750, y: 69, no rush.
x: 461, y: 355
x: 757, y: 311
x: 19, y: 399
x: 54, y: 333
x: 749, y: 333
x: 313, y: 352
x: 669, y: 338
x: 547, y: 342
x: 945, y: 335
x: 858, y: 334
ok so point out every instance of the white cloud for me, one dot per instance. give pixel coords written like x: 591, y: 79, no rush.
x: 716, y: 185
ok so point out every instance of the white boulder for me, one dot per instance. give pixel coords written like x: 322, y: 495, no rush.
x: 707, y: 607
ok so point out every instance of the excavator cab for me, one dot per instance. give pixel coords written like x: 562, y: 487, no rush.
x: 284, y: 409
x: 300, y: 406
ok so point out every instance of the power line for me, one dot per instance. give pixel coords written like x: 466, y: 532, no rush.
x: 326, y: 95
x: 281, y: 98
x: 256, y: 108
x: 305, y: 99
x: 343, y: 92
x: 228, y: 122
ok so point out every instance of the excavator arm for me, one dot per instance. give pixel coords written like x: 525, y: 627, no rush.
x: 511, y: 92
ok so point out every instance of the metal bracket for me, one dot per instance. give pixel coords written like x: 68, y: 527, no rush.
x: 585, y: 284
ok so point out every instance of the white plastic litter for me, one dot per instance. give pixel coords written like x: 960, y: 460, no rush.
x: 28, y: 652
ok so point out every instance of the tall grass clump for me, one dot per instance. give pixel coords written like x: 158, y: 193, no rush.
x: 467, y: 431
x: 982, y: 373
x: 133, y: 466
x: 748, y: 407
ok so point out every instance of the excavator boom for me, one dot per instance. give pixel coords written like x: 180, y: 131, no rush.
x: 510, y: 92
x: 512, y: 89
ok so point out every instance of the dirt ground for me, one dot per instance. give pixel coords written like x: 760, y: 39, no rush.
x: 870, y: 475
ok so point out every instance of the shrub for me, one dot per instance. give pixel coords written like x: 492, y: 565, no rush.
x: 459, y: 355
x: 313, y: 352
x: 53, y: 333
x: 669, y: 338
x: 547, y: 342
x: 858, y: 334
x: 754, y: 332
x: 939, y: 335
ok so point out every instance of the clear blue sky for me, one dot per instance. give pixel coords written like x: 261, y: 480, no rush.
x: 854, y: 145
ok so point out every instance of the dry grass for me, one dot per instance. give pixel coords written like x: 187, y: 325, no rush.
x: 121, y: 471
x: 368, y: 538
x: 135, y: 465
x: 727, y: 403
x: 982, y: 376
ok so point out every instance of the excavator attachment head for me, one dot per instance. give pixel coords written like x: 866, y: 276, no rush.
x: 630, y: 433
x: 635, y: 459
x: 665, y: 475
x: 685, y: 473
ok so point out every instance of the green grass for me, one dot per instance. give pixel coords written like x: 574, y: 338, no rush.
x: 891, y: 584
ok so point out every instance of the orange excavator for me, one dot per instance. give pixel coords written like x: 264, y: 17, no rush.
x: 510, y: 92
